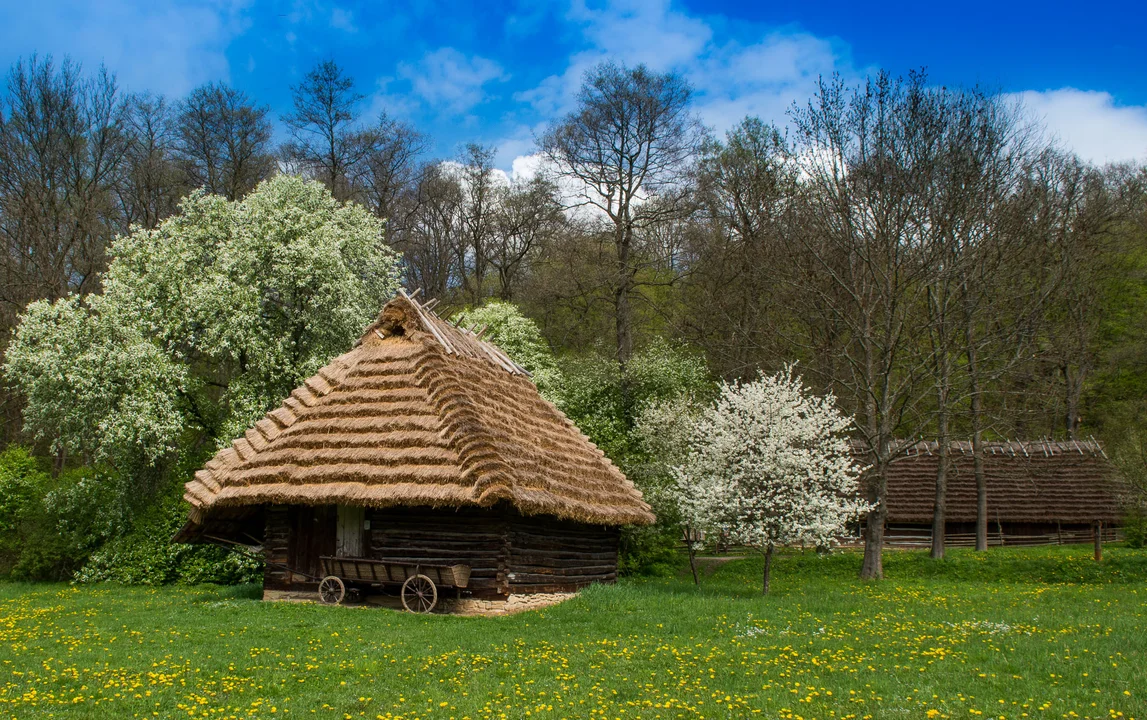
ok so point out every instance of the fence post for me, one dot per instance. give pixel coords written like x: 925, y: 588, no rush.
x: 1097, y: 529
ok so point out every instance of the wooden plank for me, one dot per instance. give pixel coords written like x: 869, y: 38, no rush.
x: 350, y: 524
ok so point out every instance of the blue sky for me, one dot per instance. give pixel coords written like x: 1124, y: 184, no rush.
x: 497, y: 72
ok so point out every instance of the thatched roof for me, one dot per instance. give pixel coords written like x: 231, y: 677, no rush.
x: 419, y: 413
x: 1028, y: 482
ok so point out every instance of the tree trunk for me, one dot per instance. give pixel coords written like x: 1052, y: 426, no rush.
x: 939, y: 519
x: 59, y: 461
x: 1098, y: 530
x: 873, y: 566
x: 768, y: 568
x: 692, y: 555
x: 877, y: 481
x: 1073, y: 389
x: 977, y: 418
x: 981, y: 483
x: 624, y: 314
x: 940, y: 505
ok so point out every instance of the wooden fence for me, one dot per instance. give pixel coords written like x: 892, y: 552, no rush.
x: 915, y: 538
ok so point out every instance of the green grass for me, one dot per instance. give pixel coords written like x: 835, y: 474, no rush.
x: 1039, y: 633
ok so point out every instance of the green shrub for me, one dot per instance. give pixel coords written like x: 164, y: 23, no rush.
x: 1135, y: 528
x: 22, y: 482
x: 147, y: 556
x: 73, y: 516
x: 605, y: 405
x: 650, y: 549
x: 49, y: 526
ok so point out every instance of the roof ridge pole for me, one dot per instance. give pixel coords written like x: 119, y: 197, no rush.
x: 1099, y: 447
x: 429, y: 323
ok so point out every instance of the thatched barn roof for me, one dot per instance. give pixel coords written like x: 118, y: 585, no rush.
x: 418, y: 413
x: 1028, y: 482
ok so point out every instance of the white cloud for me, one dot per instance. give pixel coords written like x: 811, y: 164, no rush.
x: 760, y: 75
x: 764, y: 78
x: 1091, y: 124
x: 450, y: 80
x: 629, y: 32
x: 525, y: 167
x: 164, y: 46
x: 643, y: 31
x: 736, y: 74
x: 343, y: 20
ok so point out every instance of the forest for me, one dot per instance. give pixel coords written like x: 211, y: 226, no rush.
x: 928, y: 255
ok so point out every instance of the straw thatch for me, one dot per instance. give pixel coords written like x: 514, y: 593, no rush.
x: 419, y: 413
x: 1028, y: 482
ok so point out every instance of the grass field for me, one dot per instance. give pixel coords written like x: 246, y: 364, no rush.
x: 1037, y: 633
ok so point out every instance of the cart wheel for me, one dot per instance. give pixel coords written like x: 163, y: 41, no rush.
x: 331, y: 590
x: 419, y: 594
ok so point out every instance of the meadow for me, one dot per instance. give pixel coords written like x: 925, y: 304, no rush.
x: 1031, y: 633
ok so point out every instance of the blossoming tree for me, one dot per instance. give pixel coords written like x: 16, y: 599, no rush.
x: 204, y: 323
x: 769, y: 464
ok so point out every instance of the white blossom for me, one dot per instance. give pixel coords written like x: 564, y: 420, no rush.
x: 769, y: 464
x: 206, y: 321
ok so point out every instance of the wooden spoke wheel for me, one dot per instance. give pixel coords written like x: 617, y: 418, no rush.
x: 331, y: 590
x: 419, y: 595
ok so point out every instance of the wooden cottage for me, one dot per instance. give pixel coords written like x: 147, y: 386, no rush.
x: 1038, y: 492
x: 423, y: 445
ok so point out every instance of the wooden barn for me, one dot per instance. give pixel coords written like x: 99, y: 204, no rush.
x: 424, y: 446
x: 1040, y: 492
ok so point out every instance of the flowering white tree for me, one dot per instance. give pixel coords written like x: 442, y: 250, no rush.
x: 204, y: 323
x: 769, y: 464
x: 664, y: 428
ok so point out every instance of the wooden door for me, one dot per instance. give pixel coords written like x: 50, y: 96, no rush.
x: 312, y: 535
x: 350, y: 531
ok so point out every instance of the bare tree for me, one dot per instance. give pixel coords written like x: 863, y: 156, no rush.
x: 528, y: 217
x: 631, y: 138
x: 736, y: 251
x: 224, y: 140
x: 480, y: 192
x: 969, y: 245
x: 858, y: 151
x: 432, y: 231
x: 391, y: 166
x: 63, y: 143
x: 326, y: 141
x: 153, y: 183
x: 1077, y: 211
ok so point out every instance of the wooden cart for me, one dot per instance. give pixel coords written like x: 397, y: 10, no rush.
x: 419, y: 583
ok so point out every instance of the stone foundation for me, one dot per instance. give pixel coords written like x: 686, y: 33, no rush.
x: 289, y: 596
x: 453, y: 606
x: 509, y: 606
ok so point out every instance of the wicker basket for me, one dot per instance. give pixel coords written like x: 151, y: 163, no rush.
x: 461, y: 575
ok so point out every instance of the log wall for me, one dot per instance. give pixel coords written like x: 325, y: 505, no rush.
x: 507, y: 553
x: 1014, y: 534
